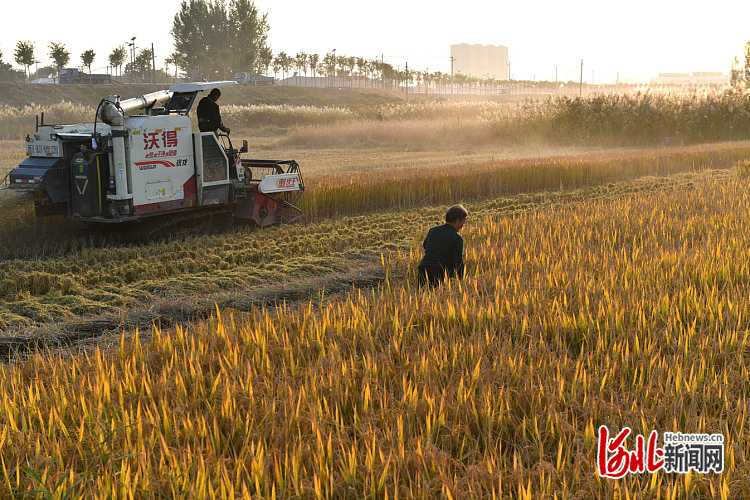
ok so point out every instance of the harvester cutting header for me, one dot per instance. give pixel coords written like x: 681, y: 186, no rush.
x: 127, y: 167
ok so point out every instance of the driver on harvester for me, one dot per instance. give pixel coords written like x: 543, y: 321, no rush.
x: 209, y: 118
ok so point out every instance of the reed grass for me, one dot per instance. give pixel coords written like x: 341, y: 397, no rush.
x: 17, y: 122
x: 630, y: 119
x: 627, y: 119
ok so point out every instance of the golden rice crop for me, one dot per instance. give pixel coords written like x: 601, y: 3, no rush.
x: 626, y: 308
x: 50, y: 274
x: 361, y: 192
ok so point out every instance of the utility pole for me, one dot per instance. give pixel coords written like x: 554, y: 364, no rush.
x: 132, y: 67
x: 132, y: 60
x: 452, y: 59
x: 334, y: 66
x: 580, y: 84
x: 153, y: 64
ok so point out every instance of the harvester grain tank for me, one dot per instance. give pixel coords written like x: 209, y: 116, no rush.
x: 140, y: 159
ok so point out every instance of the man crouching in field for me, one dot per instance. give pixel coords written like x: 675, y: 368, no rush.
x: 443, y: 250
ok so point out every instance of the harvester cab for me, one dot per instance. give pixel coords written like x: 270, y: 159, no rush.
x: 141, y: 159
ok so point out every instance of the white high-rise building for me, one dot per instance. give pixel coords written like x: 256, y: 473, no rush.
x: 481, y: 61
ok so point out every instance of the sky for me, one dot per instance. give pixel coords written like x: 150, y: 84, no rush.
x: 637, y: 39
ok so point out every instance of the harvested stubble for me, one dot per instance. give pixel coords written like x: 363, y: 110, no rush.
x: 622, y: 309
x: 86, y: 276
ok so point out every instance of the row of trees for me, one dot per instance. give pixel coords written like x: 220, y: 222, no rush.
x: 359, y: 71
x: 25, y: 56
x: 209, y: 39
x: 212, y: 40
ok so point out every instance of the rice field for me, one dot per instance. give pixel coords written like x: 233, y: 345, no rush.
x: 620, y: 305
x: 607, y: 288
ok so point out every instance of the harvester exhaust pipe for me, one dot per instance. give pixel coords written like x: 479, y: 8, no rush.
x: 113, y: 110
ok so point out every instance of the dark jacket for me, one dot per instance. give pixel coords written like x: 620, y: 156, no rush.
x: 209, y: 118
x: 444, y: 248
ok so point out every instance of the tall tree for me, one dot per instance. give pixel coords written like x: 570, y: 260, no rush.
x: 7, y: 73
x: 87, y: 58
x: 735, y: 73
x: 740, y: 73
x: 285, y: 62
x: 250, y: 30
x: 329, y: 65
x: 349, y: 64
x: 362, y: 69
x: 60, y: 55
x: 189, y: 31
x: 300, y: 61
x: 264, y: 60
x: 314, y: 66
x: 24, y: 56
x: 209, y: 37
x: 117, y: 58
x: 143, y: 63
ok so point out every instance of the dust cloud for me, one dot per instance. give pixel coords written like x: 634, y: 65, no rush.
x: 10, y: 198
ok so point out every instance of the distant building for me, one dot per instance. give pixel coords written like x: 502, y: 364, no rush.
x: 697, y: 78
x: 480, y: 61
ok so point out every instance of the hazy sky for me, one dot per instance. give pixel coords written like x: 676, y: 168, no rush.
x: 637, y: 39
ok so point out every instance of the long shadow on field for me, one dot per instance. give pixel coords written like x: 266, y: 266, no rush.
x: 26, y: 238
x: 105, y: 331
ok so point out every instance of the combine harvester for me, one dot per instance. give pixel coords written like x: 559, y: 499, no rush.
x: 140, y: 165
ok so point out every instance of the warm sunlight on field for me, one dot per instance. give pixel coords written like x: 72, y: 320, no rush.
x: 606, y: 283
x: 572, y: 315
